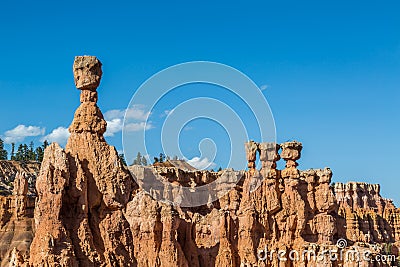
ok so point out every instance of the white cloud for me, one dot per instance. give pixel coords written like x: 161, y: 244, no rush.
x: 264, y: 87
x: 19, y: 133
x: 59, y: 135
x: 137, y: 112
x: 115, y: 120
x: 140, y: 126
x: 201, y: 164
x: 113, y: 126
x: 137, y: 121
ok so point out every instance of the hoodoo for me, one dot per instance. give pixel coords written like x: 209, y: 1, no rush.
x: 83, y: 190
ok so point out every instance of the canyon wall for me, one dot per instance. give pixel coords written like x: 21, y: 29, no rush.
x: 9, y: 170
x: 16, y: 221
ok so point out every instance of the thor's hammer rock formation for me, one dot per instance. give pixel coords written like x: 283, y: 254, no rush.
x: 82, y: 191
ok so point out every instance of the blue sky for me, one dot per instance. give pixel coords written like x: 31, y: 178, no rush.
x: 330, y: 69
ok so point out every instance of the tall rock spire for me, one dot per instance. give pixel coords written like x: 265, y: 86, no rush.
x: 92, y: 185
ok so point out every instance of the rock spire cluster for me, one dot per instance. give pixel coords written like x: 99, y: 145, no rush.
x: 89, y: 210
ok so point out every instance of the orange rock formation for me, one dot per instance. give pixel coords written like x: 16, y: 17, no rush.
x: 90, y: 212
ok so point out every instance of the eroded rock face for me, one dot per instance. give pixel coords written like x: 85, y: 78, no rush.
x: 20, y: 192
x: 17, y: 259
x: 251, y: 150
x: 100, y: 186
x: 16, y: 221
x: 9, y: 169
x: 52, y: 245
x: 90, y: 212
x: 365, y: 215
x: 83, y: 190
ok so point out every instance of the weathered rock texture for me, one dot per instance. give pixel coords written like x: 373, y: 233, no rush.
x: 16, y: 222
x: 17, y: 203
x: 367, y: 216
x: 90, y: 211
x: 9, y: 170
x: 83, y: 191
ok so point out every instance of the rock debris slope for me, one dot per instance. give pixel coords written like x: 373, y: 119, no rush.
x: 90, y: 211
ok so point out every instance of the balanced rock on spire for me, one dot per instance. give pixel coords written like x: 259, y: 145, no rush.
x: 85, y: 188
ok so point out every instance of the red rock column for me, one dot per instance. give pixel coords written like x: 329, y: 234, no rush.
x: 269, y: 156
x: 83, y: 191
x: 20, y: 191
x: 247, y: 211
x: 291, y: 152
x: 251, y: 155
x: 291, y: 221
x: 100, y: 185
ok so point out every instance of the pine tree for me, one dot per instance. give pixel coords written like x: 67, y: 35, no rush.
x: 45, y: 144
x: 138, y: 159
x: 161, y: 158
x: 39, y: 153
x: 3, y: 152
x: 31, y: 151
x: 12, y: 151
x: 144, y: 161
x: 25, y: 152
x: 20, y: 153
x: 122, y: 158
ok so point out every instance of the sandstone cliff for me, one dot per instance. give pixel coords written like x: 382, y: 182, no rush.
x: 366, y: 217
x: 17, y: 202
x: 9, y: 170
x: 16, y: 221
